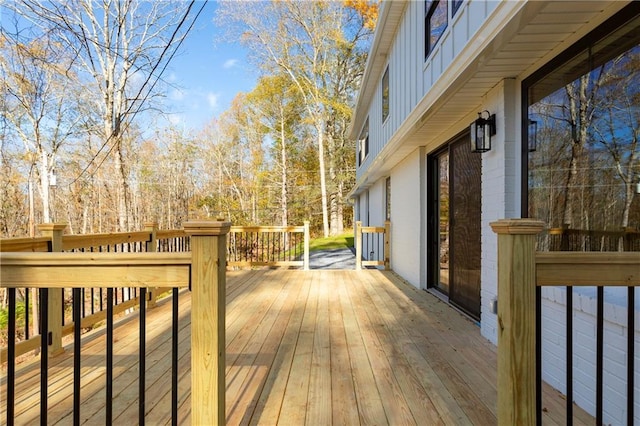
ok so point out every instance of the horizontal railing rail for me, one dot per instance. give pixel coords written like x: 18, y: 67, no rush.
x: 522, y: 272
x: 568, y: 239
x: 199, y: 269
x: 373, y: 245
x: 93, y: 303
x: 25, y: 244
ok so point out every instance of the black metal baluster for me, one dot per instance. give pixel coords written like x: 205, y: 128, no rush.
x: 44, y: 354
x: 174, y: 360
x: 62, y: 304
x: 26, y: 314
x: 631, y: 333
x: 569, y: 355
x: 538, y: 356
x: 599, y: 354
x: 142, y: 355
x: 109, y: 360
x: 77, y: 346
x: 92, y: 301
x: 11, y: 357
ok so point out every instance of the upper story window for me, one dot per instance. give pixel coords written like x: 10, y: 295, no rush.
x: 388, y: 197
x: 363, y: 143
x: 455, y: 5
x: 385, y: 95
x: 435, y: 22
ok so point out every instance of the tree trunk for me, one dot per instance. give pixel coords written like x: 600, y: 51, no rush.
x: 123, y: 190
x: 35, y: 312
x: 32, y: 213
x: 44, y: 185
x: 323, y: 183
x: 283, y: 183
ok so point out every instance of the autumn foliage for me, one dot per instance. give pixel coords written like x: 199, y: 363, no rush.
x: 367, y: 9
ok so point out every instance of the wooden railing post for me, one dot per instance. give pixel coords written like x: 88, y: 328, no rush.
x: 306, y: 245
x: 387, y: 245
x: 54, y: 231
x: 152, y: 229
x: 358, y: 245
x: 208, y: 281
x: 516, y: 320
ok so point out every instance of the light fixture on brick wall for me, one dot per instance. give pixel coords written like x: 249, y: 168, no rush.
x: 481, y: 131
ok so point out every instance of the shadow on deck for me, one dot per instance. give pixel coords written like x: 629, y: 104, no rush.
x: 317, y: 347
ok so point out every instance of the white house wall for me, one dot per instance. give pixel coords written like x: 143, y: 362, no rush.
x: 500, y: 191
x: 376, y: 203
x: 405, y: 218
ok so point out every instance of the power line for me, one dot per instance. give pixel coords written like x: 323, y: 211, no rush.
x: 140, y: 104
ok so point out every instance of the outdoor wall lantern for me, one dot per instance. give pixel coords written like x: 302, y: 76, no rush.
x: 533, y: 135
x: 481, y: 131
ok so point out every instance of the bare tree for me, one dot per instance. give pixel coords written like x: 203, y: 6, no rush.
x: 305, y: 41
x: 121, y: 49
x: 37, y: 86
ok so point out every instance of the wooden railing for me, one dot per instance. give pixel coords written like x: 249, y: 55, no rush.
x: 203, y: 269
x: 286, y: 246
x: 248, y: 247
x: 521, y: 271
x: 373, y: 245
x: 567, y: 239
x: 92, y: 310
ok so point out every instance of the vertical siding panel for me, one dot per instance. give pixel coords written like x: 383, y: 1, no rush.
x: 398, y: 76
x: 417, y: 55
x: 403, y: 64
x: 377, y: 121
x: 410, y: 76
x: 412, y: 9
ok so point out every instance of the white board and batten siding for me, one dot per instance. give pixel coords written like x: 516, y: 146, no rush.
x: 410, y: 76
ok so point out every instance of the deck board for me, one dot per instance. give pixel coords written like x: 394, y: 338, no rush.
x: 303, y: 347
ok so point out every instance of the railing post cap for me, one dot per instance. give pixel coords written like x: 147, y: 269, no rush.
x: 206, y: 228
x: 52, y: 226
x: 517, y: 226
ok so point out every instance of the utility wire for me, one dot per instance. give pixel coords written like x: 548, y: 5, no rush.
x: 140, y: 104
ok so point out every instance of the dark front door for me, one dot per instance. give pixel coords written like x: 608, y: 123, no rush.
x: 457, y: 210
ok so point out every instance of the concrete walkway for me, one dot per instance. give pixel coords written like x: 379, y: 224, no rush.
x: 332, y: 259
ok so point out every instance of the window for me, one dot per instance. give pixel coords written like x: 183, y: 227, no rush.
x: 385, y: 95
x: 388, y: 196
x: 363, y: 142
x: 582, y: 168
x: 455, y: 5
x: 435, y: 22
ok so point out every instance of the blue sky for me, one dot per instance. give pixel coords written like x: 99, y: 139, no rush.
x: 207, y: 74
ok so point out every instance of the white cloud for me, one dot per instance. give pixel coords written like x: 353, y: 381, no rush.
x: 212, y: 98
x: 230, y: 63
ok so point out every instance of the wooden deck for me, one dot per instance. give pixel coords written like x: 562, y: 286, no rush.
x: 316, y: 347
